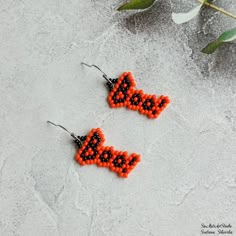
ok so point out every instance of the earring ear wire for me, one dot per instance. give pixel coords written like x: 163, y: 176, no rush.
x: 62, y: 127
x: 105, y: 76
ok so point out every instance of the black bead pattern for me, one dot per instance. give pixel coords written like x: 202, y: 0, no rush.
x: 132, y: 161
x: 146, y: 107
x: 79, y: 144
x: 122, y: 88
x: 82, y: 139
x: 105, y: 159
x: 139, y: 99
x: 154, y: 112
x: 161, y: 103
x: 92, y: 146
x: 109, y: 85
x: 117, y: 163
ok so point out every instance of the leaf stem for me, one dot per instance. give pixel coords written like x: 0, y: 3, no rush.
x: 217, y: 8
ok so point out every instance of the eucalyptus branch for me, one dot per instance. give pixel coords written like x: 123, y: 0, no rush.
x: 217, y: 8
x: 183, y: 17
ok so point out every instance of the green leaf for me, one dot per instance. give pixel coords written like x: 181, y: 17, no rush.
x: 227, y: 36
x: 211, y: 47
x: 180, y: 18
x: 136, y: 4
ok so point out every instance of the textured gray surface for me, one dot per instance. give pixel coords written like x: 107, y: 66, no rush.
x: 187, y: 175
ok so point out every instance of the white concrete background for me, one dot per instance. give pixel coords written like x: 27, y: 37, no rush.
x: 187, y: 175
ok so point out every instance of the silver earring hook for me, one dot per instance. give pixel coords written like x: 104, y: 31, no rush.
x: 71, y: 134
x: 105, y: 76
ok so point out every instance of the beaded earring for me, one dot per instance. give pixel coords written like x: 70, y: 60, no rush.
x: 122, y: 93
x: 92, y: 151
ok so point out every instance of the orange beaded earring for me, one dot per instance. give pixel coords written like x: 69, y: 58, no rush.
x: 92, y: 151
x: 122, y: 93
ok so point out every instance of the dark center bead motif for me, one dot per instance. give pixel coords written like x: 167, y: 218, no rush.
x: 122, y: 93
x: 105, y: 156
x: 119, y: 161
x: 92, y: 151
x: 135, y: 99
x: 148, y: 104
